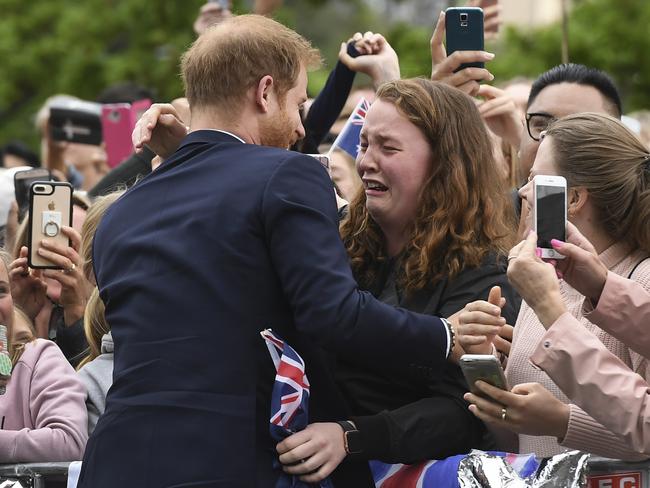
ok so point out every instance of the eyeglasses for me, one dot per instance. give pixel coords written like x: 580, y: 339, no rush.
x: 537, y: 123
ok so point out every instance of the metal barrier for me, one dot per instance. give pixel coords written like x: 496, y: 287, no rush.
x: 603, y: 473
x: 36, y: 475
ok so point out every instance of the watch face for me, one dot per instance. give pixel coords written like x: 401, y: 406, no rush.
x: 353, y: 441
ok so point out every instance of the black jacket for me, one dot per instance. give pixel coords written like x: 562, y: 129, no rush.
x: 421, y: 414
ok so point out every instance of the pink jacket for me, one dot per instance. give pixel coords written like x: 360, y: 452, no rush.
x: 43, y: 412
x: 594, y: 378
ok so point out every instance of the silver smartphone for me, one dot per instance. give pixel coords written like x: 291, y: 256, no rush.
x: 549, y: 213
x: 484, y: 367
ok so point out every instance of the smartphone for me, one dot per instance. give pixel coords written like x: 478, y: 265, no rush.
x: 50, y: 208
x: 323, y: 159
x: 76, y: 121
x: 549, y: 212
x: 118, y: 122
x: 484, y: 367
x: 5, y: 360
x: 464, y: 32
x: 22, y: 181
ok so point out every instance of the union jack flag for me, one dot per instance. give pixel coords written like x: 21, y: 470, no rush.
x: 445, y: 473
x: 289, y: 400
x: 348, y: 139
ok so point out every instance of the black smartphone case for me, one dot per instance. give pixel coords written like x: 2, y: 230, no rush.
x: 464, y: 32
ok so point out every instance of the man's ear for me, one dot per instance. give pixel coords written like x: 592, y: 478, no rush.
x: 263, y: 93
x: 576, y: 200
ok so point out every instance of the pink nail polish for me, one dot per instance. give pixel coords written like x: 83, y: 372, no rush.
x: 538, y: 252
x: 556, y: 243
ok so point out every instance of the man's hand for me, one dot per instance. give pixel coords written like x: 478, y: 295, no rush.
x: 500, y: 113
x: 377, y: 59
x: 161, y: 129
x: 529, y: 409
x: 313, y: 453
x: 582, y: 268
x: 443, y: 66
x: 535, y: 281
x: 478, y: 323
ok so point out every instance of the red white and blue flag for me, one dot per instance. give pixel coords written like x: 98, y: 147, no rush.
x: 348, y: 138
x: 290, y: 414
x: 289, y: 400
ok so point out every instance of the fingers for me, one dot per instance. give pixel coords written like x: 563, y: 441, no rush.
x: 144, y: 127
x: 494, y: 296
x: 458, y: 78
x: 291, y: 443
x: 506, y: 332
x: 63, y: 257
x: 502, y: 345
x: 483, y: 306
x: 438, y: 52
x: 73, y: 235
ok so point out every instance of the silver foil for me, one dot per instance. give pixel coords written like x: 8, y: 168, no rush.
x: 482, y: 470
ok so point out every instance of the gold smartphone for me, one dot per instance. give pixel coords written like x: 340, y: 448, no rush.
x: 50, y: 208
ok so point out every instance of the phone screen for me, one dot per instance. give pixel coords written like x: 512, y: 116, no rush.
x: 550, y: 203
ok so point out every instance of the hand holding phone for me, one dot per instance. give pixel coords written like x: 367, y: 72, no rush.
x: 447, y: 63
x: 464, y: 32
x: 549, y: 213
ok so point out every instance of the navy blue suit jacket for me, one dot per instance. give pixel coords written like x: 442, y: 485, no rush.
x: 223, y: 240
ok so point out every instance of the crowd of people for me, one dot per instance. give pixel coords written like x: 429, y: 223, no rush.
x: 140, y: 351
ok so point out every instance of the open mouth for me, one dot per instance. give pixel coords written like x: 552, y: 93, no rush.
x: 375, y: 186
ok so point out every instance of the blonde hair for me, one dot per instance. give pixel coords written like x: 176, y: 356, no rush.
x: 232, y: 56
x: 597, y: 152
x: 95, y: 327
x: 94, y: 216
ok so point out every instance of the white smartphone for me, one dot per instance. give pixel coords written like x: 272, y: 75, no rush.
x: 484, y: 367
x: 549, y: 212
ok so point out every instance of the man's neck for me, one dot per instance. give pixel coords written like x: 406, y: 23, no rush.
x: 241, y: 126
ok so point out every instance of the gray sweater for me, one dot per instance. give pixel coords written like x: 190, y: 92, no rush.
x: 97, y: 375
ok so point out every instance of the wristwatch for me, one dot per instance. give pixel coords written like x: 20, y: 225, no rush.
x: 351, y: 437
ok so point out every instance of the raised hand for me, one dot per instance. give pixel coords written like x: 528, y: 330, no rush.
x: 377, y: 59
x: 443, y: 67
x: 161, y: 129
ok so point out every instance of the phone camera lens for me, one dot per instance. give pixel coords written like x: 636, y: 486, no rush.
x: 463, y: 17
x: 39, y: 188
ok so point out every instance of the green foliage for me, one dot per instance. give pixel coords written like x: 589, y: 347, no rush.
x: 611, y: 35
x: 80, y: 48
x: 68, y: 46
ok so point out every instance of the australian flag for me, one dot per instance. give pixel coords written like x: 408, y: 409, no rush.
x: 348, y: 139
x: 289, y: 400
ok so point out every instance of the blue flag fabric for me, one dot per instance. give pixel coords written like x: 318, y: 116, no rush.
x: 443, y: 473
x: 289, y: 401
x: 348, y: 139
